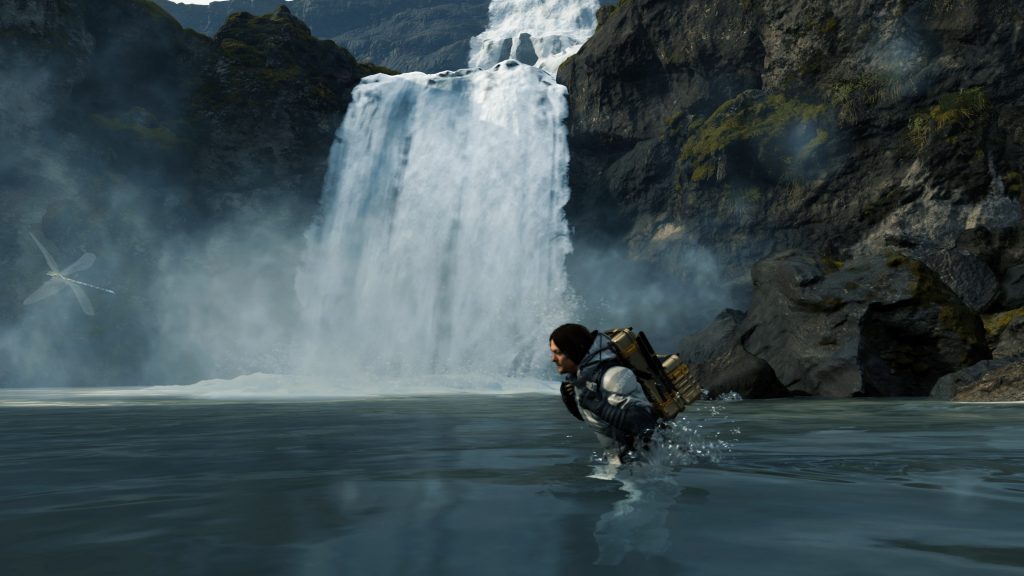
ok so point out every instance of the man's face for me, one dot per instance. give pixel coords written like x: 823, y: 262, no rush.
x: 564, y: 363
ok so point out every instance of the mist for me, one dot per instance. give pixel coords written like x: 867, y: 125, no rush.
x: 204, y: 270
x: 667, y: 299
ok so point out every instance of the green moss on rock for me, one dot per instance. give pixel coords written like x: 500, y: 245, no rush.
x: 954, y: 111
x: 1014, y: 183
x: 853, y: 97
x: 996, y: 323
x: 747, y: 118
x: 159, y: 135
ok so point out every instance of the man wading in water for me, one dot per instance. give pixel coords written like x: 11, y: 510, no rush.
x: 601, y: 391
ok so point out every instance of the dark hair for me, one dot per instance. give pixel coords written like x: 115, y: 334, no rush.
x: 573, y: 340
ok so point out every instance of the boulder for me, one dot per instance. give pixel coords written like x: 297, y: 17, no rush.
x: 741, y: 372
x: 967, y: 275
x: 266, y: 111
x: 1012, y: 295
x: 997, y: 380
x: 1005, y: 333
x: 873, y: 326
x: 714, y: 340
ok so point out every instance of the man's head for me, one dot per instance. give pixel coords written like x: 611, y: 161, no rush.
x: 569, y: 343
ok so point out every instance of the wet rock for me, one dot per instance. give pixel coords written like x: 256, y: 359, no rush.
x: 967, y: 275
x: 1013, y: 288
x: 874, y: 326
x: 406, y: 35
x: 741, y: 372
x: 268, y: 107
x: 714, y: 340
x: 525, y: 51
x: 997, y: 380
x: 768, y: 126
x: 1005, y: 333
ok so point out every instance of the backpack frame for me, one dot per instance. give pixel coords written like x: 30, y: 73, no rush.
x: 666, y: 380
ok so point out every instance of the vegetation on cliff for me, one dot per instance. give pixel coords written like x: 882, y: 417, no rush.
x: 843, y: 129
x: 756, y: 119
x: 131, y: 137
x: 427, y: 35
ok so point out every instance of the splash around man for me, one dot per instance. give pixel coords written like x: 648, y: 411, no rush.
x: 601, y: 391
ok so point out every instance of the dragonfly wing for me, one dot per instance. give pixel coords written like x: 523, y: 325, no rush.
x: 83, y: 263
x: 49, y: 259
x: 83, y: 299
x: 49, y: 288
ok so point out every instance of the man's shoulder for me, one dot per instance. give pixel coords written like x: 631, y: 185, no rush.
x: 619, y: 380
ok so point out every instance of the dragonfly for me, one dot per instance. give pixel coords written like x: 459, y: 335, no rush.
x: 60, y: 279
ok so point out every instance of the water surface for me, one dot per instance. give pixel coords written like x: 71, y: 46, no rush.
x: 503, y: 485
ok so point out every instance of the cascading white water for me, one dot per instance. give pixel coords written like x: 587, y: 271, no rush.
x: 539, y: 32
x: 443, y: 240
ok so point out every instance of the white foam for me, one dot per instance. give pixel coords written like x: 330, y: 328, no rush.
x: 288, y: 387
x: 556, y: 30
x: 444, y: 240
x: 278, y: 387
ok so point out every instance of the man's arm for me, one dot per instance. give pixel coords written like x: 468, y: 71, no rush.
x: 626, y: 410
x: 569, y: 398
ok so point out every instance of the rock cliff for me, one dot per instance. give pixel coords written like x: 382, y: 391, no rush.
x: 130, y: 137
x: 847, y: 130
x: 751, y: 127
x: 406, y: 35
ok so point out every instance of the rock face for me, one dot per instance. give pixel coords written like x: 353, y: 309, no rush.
x: 884, y: 140
x: 120, y: 89
x: 990, y: 381
x: 873, y: 326
x: 720, y: 364
x: 715, y: 339
x: 738, y: 371
x: 130, y: 137
x: 267, y: 108
x: 843, y: 128
x: 406, y: 35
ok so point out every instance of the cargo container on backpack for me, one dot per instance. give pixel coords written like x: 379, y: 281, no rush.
x: 666, y: 380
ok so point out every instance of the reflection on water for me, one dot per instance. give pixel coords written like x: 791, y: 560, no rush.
x: 470, y: 484
x: 638, y: 522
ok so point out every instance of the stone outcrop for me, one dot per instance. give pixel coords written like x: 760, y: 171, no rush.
x: 267, y: 108
x: 720, y: 365
x: 872, y: 326
x: 884, y: 140
x: 125, y: 135
x: 996, y: 380
x: 740, y: 372
x: 843, y: 128
x: 715, y: 339
x: 406, y: 35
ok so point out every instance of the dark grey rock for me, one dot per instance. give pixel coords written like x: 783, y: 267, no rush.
x: 967, y: 275
x: 525, y: 52
x: 714, y: 340
x: 406, y: 35
x: 876, y: 326
x: 1007, y: 341
x: 741, y: 372
x: 132, y: 138
x: 1013, y: 288
x: 997, y: 380
x: 779, y: 125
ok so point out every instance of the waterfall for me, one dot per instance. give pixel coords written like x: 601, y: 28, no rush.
x: 443, y: 239
x: 537, y: 32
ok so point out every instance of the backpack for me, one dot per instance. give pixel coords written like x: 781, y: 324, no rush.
x: 666, y: 380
